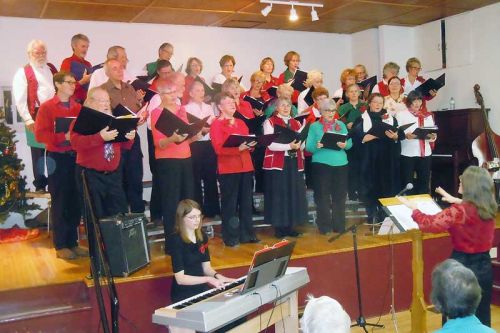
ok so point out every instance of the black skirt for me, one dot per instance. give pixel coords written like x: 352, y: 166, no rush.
x: 285, y: 202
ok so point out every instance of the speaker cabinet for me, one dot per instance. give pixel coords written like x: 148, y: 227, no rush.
x: 125, y: 242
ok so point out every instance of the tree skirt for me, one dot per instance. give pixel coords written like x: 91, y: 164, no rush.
x: 17, y: 235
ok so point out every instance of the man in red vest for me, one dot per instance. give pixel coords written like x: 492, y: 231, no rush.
x: 32, y: 85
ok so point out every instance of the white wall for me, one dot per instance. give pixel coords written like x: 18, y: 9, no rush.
x: 329, y: 53
x: 365, y: 50
x: 473, y: 50
x: 396, y: 44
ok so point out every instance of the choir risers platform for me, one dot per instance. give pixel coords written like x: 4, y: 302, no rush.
x: 227, y: 306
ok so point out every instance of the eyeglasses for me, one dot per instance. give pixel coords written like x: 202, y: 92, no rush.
x: 413, y: 67
x: 71, y: 83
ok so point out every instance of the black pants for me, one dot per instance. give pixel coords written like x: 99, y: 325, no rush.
x: 354, y: 158
x: 205, y: 169
x: 308, y: 171
x: 480, y: 264
x: 421, y: 166
x: 175, y: 177
x: 330, y: 190
x: 38, y: 164
x: 155, y: 199
x: 236, y: 206
x: 65, y: 210
x: 132, y: 170
x: 258, y: 160
x: 106, y: 191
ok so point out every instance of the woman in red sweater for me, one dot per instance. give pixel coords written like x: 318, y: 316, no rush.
x: 235, y: 170
x: 471, y: 224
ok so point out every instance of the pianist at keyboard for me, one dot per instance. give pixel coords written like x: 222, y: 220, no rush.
x: 193, y: 273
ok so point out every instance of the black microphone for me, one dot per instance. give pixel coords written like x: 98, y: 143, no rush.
x: 407, y: 188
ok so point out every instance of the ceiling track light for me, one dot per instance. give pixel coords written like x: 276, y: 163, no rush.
x: 293, y: 12
x: 267, y: 10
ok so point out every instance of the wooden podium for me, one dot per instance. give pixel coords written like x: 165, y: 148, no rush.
x: 397, y: 213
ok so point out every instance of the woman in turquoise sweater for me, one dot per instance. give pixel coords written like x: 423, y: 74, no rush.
x: 329, y: 169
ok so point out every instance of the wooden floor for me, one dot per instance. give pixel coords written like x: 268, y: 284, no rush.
x: 403, y: 322
x: 34, y: 263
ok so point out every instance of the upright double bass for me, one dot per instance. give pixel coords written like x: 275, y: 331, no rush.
x: 488, y: 144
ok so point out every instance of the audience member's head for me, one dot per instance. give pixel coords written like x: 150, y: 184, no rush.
x: 325, y: 315
x: 455, y: 290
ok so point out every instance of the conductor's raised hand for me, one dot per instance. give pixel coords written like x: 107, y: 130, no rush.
x: 107, y: 134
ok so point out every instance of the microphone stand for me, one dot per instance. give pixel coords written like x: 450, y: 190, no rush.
x: 360, y: 321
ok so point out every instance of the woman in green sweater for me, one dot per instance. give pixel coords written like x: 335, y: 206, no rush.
x: 329, y: 169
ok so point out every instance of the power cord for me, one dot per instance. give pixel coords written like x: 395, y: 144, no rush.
x: 259, y: 312
x: 274, y: 307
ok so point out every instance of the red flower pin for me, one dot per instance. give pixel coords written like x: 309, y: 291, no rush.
x: 362, y: 108
x: 203, y: 248
x: 337, y: 127
x: 385, y: 116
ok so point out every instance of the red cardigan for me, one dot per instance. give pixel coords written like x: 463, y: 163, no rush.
x: 275, y: 160
x: 229, y: 160
x: 469, y: 233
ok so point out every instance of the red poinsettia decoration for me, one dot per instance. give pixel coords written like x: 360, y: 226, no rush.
x: 362, y: 108
x: 385, y: 116
x: 203, y: 248
x: 337, y: 127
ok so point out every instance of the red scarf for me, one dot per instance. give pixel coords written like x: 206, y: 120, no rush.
x: 421, y: 115
x: 327, y: 126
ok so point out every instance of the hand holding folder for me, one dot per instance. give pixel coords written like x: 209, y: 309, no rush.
x: 331, y: 140
x: 423, y: 133
x: 431, y: 84
x: 235, y: 140
x: 168, y: 124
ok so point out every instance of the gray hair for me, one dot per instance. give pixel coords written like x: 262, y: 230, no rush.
x: 327, y: 105
x: 455, y: 290
x: 34, y: 43
x: 390, y: 66
x: 324, y: 315
x: 78, y: 37
x: 113, y: 52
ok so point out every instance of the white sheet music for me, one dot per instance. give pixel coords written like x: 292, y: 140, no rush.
x: 403, y: 214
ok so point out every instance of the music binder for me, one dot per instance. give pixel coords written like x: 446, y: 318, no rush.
x: 62, y: 124
x: 78, y: 69
x: 90, y: 121
x: 431, y: 84
x: 287, y: 135
x: 298, y: 80
x: 368, y: 84
x: 253, y: 124
x: 308, y: 97
x: 168, y: 123
x: 140, y: 84
x: 422, y: 132
x: 193, y: 119
x: 378, y: 129
x: 330, y: 140
x: 272, y: 91
x: 235, y: 140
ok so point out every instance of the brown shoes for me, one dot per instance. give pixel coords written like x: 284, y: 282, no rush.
x: 80, y: 251
x: 66, y: 254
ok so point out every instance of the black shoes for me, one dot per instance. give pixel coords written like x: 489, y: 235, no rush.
x: 232, y: 243
x: 286, y: 231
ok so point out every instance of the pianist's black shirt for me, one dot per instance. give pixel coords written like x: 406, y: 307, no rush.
x: 189, y: 258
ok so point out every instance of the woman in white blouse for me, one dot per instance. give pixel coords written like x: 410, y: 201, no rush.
x: 416, y: 152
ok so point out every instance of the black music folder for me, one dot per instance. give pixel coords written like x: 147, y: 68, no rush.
x: 288, y: 135
x: 422, y: 132
x: 431, y: 84
x: 235, y: 140
x: 253, y: 124
x: 272, y: 91
x: 140, y: 84
x: 330, y: 140
x: 150, y: 93
x: 90, y: 121
x: 62, y: 124
x: 378, y: 129
x: 193, y: 119
x: 299, y: 79
x: 308, y: 97
x: 368, y: 84
x: 168, y: 123
x: 254, y: 102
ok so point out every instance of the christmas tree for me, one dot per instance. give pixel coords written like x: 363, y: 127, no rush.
x: 12, y: 186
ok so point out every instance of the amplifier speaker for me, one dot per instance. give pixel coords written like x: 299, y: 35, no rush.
x: 125, y: 242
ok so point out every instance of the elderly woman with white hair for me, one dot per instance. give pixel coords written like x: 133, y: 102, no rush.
x: 314, y: 79
x: 329, y: 169
x: 471, y: 224
x: 456, y: 294
x: 324, y: 315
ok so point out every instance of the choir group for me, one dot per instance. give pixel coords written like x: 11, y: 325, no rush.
x: 363, y: 142
x: 374, y: 157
